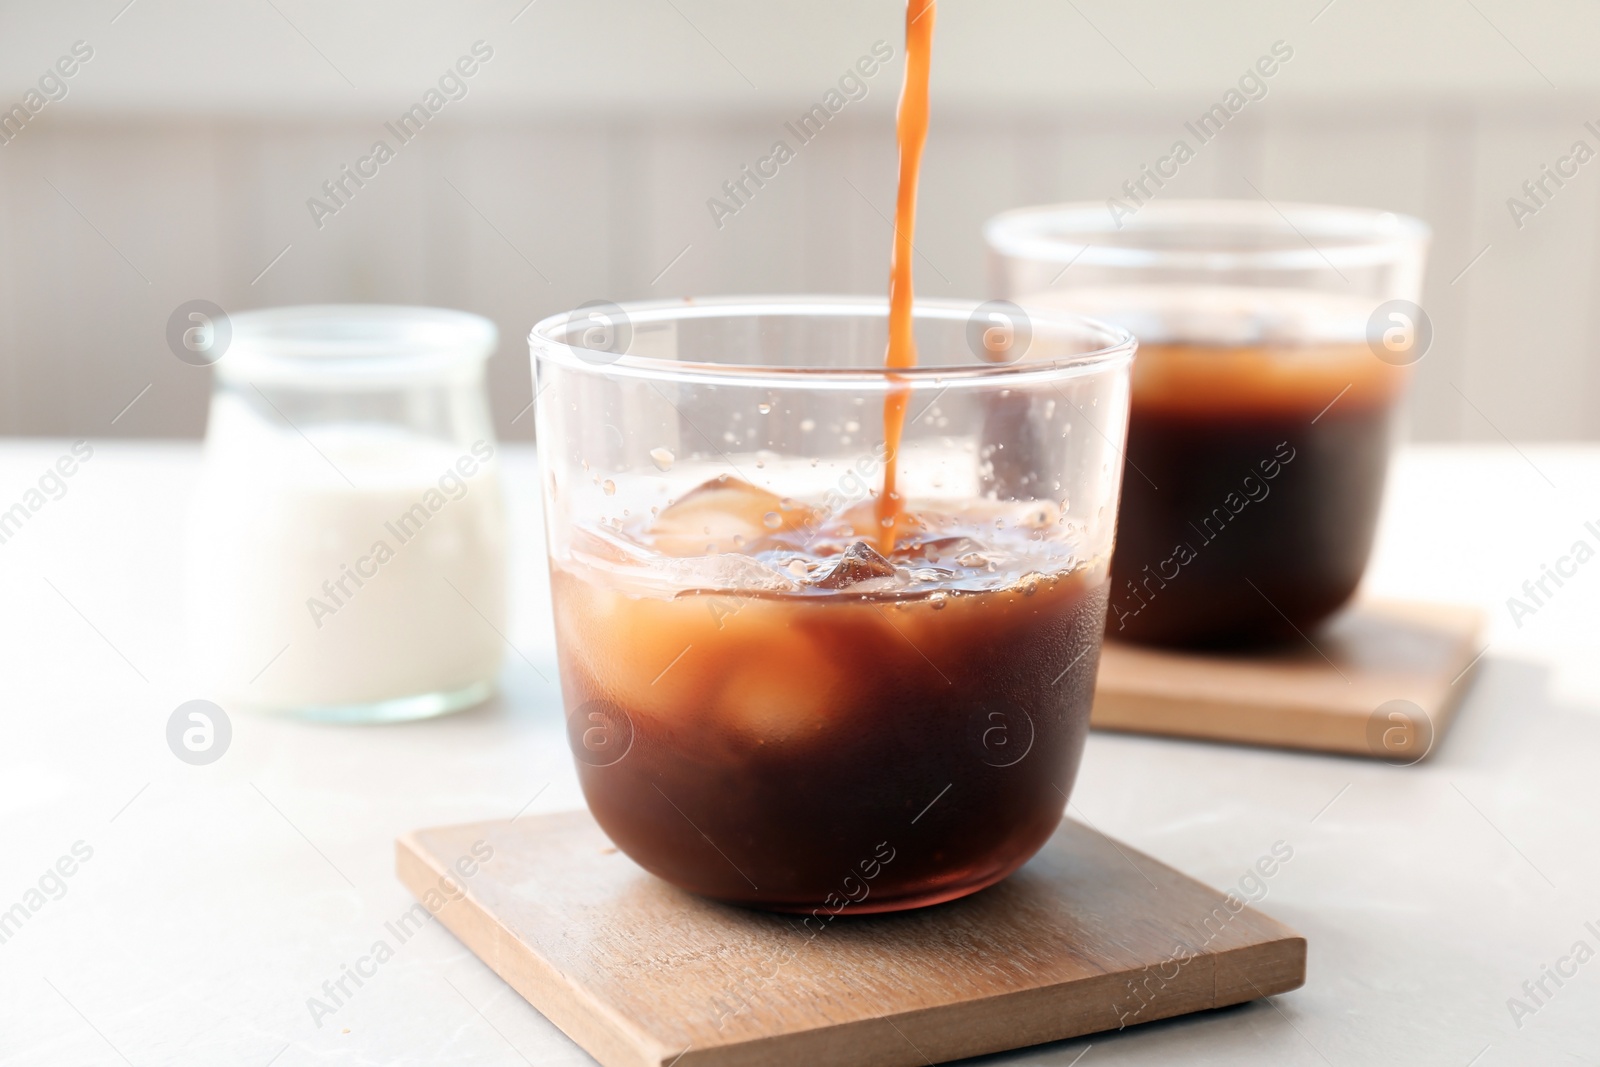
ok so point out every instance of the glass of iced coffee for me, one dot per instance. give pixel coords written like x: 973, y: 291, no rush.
x: 828, y: 632
x: 1275, y: 343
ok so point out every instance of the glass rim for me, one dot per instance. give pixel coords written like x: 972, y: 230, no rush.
x: 354, y: 343
x: 546, y: 343
x: 1060, y: 233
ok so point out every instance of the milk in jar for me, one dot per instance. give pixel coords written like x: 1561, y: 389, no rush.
x: 346, y: 548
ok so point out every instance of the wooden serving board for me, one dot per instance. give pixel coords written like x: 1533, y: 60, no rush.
x: 1381, y: 679
x: 1088, y: 936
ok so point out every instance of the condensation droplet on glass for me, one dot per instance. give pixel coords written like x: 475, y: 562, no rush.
x: 609, y: 486
x: 764, y: 407
x: 738, y: 540
x: 852, y: 426
x: 662, y: 458
x: 937, y: 601
x: 807, y: 425
x: 727, y: 436
x: 772, y: 520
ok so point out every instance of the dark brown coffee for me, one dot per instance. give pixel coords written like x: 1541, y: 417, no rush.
x: 811, y: 725
x: 1250, y: 496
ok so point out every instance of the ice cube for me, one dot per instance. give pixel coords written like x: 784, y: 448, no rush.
x: 725, y: 514
x: 930, y: 574
x: 862, y: 520
x: 1037, y: 515
x: 725, y: 572
x: 939, y: 549
x: 783, y: 692
x: 600, y: 544
x: 860, y: 563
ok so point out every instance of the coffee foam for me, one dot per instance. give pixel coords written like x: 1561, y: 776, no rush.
x: 1222, y: 350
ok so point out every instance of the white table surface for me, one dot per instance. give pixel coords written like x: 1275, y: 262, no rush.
x: 219, y: 898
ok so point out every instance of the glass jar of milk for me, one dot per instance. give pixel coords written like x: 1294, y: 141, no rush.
x: 346, y: 549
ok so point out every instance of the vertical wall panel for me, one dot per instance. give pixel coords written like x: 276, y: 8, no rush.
x: 1526, y: 332
x: 601, y: 205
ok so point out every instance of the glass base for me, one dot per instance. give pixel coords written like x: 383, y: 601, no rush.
x: 906, y: 903
x: 399, y: 709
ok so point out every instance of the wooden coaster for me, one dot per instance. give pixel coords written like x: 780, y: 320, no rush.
x: 1382, y: 679
x: 1088, y: 936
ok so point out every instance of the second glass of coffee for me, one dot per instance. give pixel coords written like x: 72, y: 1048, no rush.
x: 1274, y: 347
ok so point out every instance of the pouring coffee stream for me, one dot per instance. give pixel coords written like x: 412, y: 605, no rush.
x: 911, y: 130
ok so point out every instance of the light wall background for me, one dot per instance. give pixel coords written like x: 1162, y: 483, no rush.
x: 579, y: 164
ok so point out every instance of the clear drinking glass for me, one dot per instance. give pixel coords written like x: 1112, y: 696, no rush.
x: 346, y: 552
x: 1274, y: 349
x: 770, y: 703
